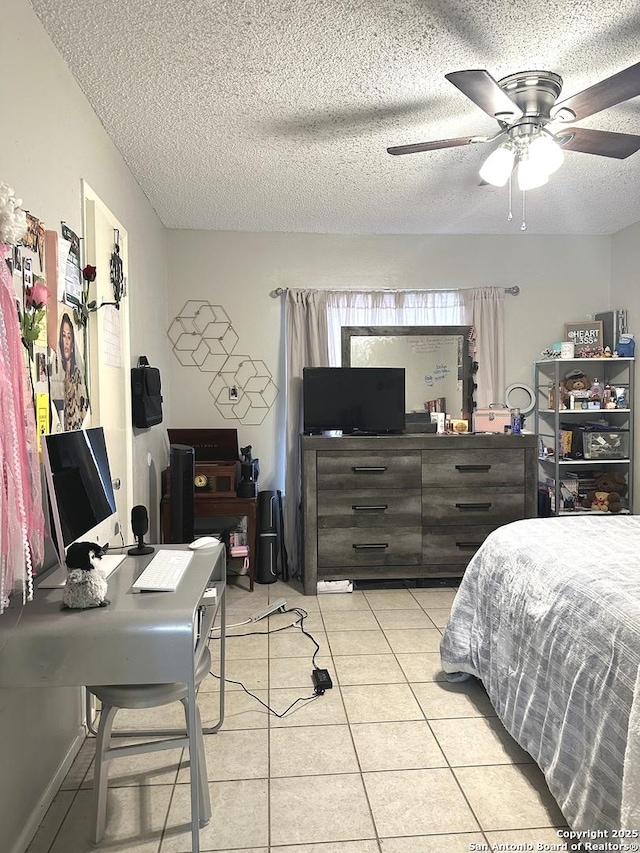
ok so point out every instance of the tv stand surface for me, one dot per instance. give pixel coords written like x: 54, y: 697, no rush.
x: 409, y: 506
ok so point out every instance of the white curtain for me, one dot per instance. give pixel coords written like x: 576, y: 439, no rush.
x: 390, y: 308
x: 306, y: 346
x: 484, y: 310
x: 313, y: 322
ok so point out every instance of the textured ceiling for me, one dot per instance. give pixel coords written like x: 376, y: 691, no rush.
x: 275, y: 115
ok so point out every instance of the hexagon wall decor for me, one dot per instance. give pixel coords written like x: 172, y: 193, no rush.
x: 202, y: 336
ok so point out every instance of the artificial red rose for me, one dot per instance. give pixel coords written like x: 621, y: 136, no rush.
x: 89, y: 273
x: 36, y: 296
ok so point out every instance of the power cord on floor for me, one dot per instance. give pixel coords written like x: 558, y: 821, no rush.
x: 302, y: 615
x: 264, y: 704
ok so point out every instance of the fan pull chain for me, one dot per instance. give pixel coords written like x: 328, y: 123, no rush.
x: 510, y: 213
x: 523, y: 227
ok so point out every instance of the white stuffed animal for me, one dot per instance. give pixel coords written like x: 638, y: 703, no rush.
x: 86, y: 584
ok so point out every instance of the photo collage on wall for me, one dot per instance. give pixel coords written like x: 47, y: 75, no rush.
x: 48, y: 286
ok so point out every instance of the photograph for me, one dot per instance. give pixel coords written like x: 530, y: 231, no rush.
x: 41, y: 367
x: 75, y: 399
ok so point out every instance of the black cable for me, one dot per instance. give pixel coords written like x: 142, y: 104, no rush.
x: 271, y: 711
x: 120, y: 547
x: 302, y: 615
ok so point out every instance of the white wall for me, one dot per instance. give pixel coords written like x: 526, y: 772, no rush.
x: 561, y: 279
x: 50, y: 140
x: 625, y: 267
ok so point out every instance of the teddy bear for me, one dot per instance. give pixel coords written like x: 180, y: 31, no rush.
x: 576, y: 380
x: 86, y: 584
x: 611, y: 486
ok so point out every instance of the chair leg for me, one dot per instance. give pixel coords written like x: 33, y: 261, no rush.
x: 203, y: 781
x: 101, y: 771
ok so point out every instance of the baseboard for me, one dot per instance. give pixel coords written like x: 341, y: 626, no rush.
x: 37, y: 815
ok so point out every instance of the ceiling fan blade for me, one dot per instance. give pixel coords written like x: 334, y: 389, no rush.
x: 614, y: 90
x: 434, y: 146
x: 484, y: 91
x: 606, y: 143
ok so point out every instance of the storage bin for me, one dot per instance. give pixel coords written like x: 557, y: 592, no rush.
x: 606, y: 445
x: 491, y: 420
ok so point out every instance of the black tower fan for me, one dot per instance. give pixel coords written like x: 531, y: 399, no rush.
x: 268, y: 534
x: 182, y: 466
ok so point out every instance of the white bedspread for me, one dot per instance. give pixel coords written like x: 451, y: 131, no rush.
x: 548, y: 617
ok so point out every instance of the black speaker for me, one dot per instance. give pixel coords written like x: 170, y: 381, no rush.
x: 268, y: 537
x: 140, y: 525
x: 249, y: 473
x: 182, y: 466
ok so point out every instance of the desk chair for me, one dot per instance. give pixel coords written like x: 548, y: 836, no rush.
x: 114, y: 697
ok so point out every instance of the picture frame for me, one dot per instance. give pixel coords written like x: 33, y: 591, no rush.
x: 586, y: 335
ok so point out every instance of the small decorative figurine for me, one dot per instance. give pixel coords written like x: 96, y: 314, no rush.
x: 86, y: 584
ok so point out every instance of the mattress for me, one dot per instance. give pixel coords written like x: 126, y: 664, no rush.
x: 547, y: 616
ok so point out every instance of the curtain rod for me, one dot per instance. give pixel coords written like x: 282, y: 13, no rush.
x: 514, y: 291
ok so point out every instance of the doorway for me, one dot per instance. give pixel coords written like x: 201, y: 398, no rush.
x: 109, y: 347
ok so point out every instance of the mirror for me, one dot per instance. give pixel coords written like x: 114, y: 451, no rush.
x: 436, y: 359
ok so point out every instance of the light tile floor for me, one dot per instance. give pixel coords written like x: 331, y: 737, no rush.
x: 393, y: 759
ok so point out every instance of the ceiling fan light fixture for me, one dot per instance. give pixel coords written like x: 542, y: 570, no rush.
x: 498, y: 166
x: 530, y: 175
x: 546, y: 154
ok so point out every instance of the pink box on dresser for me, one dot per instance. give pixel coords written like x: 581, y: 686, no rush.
x: 491, y: 420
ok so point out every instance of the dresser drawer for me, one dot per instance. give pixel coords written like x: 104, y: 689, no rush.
x: 369, y: 508
x: 453, y: 547
x: 374, y: 470
x: 446, y: 469
x: 471, y: 506
x: 356, y: 546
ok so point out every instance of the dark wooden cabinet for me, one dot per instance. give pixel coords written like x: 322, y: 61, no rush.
x: 383, y: 507
x: 210, y: 505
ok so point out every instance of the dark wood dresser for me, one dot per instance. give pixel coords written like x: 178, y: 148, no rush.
x: 407, y: 506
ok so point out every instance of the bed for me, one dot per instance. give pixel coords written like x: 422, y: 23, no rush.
x: 547, y: 616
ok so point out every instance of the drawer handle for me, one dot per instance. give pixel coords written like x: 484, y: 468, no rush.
x: 368, y: 469
x: 372, y: 546
x: 474, y: 506
x: 468, y: 545
x: 369, y: 507
x: 465, y: 468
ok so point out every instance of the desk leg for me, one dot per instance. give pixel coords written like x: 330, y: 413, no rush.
x: 223, y: 643
x: 211, y: 730
x: 193, y: 766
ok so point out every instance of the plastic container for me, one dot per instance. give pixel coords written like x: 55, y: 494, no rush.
x: 516, y: 422
x: 605, y: 445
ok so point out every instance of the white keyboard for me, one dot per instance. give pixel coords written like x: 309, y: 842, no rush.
x: 164, y: 572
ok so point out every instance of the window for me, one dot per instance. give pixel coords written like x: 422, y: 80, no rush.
x: 390, y: 308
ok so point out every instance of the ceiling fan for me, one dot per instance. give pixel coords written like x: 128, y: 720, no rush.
x: 535, y: 125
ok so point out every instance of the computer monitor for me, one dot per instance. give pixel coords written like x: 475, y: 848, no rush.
x: 83, y: 505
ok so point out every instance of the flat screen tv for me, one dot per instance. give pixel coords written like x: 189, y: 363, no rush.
x: 355, y: 400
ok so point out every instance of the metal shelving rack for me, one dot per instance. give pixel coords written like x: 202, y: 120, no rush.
x: 617, y: 372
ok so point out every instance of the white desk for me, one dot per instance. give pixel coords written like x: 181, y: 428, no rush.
x: 139, y: 638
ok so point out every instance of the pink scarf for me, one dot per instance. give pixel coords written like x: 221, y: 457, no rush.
x: 21, y: 516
